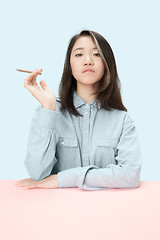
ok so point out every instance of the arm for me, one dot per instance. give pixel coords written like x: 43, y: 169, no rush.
x: 126, y: 174
x: 43, y: 137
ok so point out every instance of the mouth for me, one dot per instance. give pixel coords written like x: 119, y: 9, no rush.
x: 88, y: 71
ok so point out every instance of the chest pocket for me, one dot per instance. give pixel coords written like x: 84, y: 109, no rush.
x: 106, y: 150
x: 66, y: 152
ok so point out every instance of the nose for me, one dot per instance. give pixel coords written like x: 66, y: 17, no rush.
x: 88, y: 60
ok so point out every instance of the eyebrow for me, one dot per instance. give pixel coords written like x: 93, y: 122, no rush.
x: 80, y: 48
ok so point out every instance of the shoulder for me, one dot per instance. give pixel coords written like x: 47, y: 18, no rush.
x: 126, y: 119
x: 116, y: 113
x: 123, y: 113
x: 121, y: 116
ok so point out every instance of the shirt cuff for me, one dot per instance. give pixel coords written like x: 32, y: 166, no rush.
x: 73, y: 177
x: 47, y: 118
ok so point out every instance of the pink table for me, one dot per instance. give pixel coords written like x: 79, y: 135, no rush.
x: 72, y: 213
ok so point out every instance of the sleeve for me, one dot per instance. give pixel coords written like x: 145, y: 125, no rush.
x: 124, y: 174
x: 43, y: 137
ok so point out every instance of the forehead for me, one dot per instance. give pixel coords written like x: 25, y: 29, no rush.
x: 84, y: 42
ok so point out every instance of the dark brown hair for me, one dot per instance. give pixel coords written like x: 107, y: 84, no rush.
x: 108, y: 92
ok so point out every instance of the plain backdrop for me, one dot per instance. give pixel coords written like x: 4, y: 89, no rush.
x: 35, y: 34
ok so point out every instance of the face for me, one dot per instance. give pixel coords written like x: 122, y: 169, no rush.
x: 86, y: 58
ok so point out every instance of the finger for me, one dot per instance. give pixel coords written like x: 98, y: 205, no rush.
x: 24, y: 181
x: 22, y: 184
x: 32, y: 77
x: 43, y: 85
x: 35, y: 90
x: 19, y: 182
x: 27, y: 185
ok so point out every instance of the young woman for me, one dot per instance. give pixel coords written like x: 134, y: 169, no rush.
x: 84, y: 138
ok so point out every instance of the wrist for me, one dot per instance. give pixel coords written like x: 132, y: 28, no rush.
x: 50, y: 108
x: 57, y: 180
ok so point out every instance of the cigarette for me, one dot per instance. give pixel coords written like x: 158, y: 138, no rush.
x: 27, y: 71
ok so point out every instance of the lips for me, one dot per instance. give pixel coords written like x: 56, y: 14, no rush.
x: 88, y: 70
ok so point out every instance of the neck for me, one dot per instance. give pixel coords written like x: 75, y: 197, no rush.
x: 85, y: 94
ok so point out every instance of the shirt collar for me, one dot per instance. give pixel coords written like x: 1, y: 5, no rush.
x: 78, y: 101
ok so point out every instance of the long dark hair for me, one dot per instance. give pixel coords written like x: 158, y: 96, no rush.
x: 108, y: 92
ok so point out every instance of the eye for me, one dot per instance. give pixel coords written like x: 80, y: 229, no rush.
x: 97, y: 54
x: 78, y: 54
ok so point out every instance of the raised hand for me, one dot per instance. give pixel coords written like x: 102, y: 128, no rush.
x: 44, y: 95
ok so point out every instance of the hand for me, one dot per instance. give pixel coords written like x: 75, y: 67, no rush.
x: 48, y: 182
x: 44, y: 95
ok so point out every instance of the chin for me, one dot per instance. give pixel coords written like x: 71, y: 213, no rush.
x: 88, y: 82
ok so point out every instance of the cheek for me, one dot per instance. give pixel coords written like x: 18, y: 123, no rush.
x: 75, y: 68
x: 102, y: 68
x: 100, y: 65
x: 73, y: 65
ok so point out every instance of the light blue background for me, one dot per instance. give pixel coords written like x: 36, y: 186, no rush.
x: 35, y: 34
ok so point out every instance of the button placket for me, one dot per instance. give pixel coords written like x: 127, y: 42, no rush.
x: 86, y: 133
x: 62, y: 142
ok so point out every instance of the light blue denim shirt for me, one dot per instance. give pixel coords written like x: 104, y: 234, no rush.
x: 97, y: 151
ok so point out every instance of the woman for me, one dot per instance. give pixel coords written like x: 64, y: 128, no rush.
x: 85, y: 138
